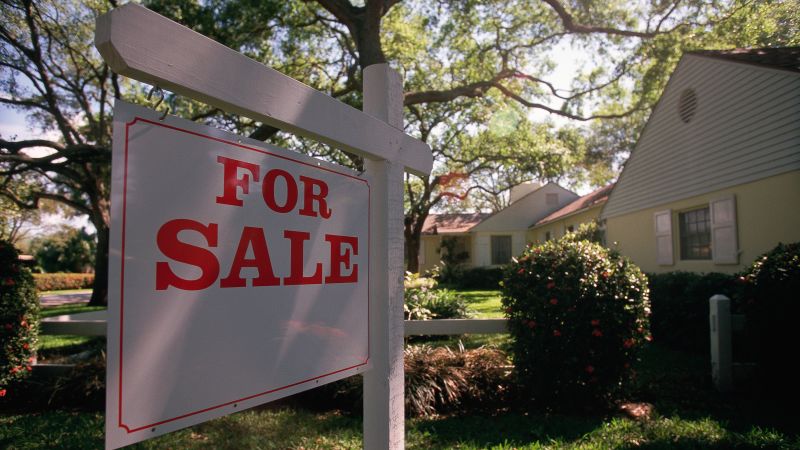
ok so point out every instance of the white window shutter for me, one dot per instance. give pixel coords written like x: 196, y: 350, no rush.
x: 724, y: 244
x: 662, y: 221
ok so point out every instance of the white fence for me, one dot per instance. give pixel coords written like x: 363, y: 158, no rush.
x: 94, y: 324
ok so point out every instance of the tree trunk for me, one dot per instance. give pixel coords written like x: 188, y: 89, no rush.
x: 100, y: 287
x: 412, y: 248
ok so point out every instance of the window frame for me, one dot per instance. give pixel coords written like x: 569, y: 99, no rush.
x: 695, y: 233
x: 492, y: 239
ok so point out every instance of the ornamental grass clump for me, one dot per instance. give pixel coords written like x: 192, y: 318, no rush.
x: 19, y: 318
x: 578, y: 315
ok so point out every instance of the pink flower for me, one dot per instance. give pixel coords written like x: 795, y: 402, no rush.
x: 2, y: 392
x: 532, y: 324
x: 597, y: 333
x: 589, y: 369
x: 595, y: 323
x: 8, y: 326
x: 521, y: 271
x: 551, y: 284
x: 556, y: 333
x: 25, y: 346
x: 627, y: 343
x: 605, y: 274
x: 553, y: 301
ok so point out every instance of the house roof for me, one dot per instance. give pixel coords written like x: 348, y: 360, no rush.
x: 787, y: 58
x: 451, y: 223
x: 594, y: 198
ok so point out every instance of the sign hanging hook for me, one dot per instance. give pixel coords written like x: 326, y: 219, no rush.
x: 160, y: 100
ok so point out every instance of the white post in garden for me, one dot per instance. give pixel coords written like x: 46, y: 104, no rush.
x: 384, y: 416
x: 721, y: 352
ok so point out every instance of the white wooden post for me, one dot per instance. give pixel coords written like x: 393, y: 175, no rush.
x: 721, y: 352
x: 384, y: 416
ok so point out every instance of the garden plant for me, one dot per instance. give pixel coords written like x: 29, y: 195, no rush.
x: 578, y: 316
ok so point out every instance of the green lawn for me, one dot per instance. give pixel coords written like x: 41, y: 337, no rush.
x: 69, y: 308
x: 486, y: 304
x: 290, y: 428
x: 54, y: 346
x: 66, y: 291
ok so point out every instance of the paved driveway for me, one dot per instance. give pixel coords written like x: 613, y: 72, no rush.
x: 62, y: 299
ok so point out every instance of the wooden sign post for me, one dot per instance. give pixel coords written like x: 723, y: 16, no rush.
x: 143, y: 45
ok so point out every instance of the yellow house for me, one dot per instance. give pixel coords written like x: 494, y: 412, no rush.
x: 491, y: 240
x: 714, y: 180
x: 583, y: 210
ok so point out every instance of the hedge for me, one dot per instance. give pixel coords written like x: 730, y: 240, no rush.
x: 19, y: 319
x: 62, y: 281
x: 679, y: 302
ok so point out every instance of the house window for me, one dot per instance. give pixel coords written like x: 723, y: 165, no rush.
x: 501, y: 249
x: 571, y: 228
x: 547, y: 236
x: 695, y: 234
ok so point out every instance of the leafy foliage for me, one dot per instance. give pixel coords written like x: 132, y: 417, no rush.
x: 772, y: 283
x: 424, y: 301
x: 63, y: 281
x: 578, y: 314
x: 19, y: 318
x: 68, y: 250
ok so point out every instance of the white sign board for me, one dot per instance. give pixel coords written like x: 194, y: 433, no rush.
x: 238, y: 275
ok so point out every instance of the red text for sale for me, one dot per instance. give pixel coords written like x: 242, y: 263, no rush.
x: 302, y: 195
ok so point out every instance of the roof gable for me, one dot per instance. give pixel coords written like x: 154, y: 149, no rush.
x: 590, y: 200
x: 529, y: 208
x: 744, y: 126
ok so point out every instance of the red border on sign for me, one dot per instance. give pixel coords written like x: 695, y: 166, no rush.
x: 122, y: 273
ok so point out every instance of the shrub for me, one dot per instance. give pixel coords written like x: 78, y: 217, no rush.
x: 578, y: 315
x: 424, y: 301
x: 19, y: 318
x: 62, y: 281
x: 438, y: 379
x: 680, y: 307
x: 771, y: 286
x: 479, y: 278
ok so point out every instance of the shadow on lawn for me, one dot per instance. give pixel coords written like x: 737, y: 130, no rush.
x: 505, y: 429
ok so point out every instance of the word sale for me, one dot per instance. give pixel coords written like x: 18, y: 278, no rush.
x: 238, y: 178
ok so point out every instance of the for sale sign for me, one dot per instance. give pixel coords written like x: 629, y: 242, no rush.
x: 239, y: 274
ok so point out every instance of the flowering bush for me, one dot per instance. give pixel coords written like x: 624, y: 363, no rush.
x: 771, y: 287
x: 19, y: 318
x: 578, y: 314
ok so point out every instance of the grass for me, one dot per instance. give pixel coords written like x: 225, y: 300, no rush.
x: 52, y: 347
x: 66, y: 291
x: 486, y: 304
x: 69, y: 308
x: 291, y: 428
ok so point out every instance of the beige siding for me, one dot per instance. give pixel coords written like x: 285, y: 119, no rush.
x: 521, y: 214
x: 767, y: 213
x: 431, y: 255
x: 746, y: 127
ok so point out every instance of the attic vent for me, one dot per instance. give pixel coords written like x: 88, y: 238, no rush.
x: 687, y: 105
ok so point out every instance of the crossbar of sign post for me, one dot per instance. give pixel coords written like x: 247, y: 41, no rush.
x: 239, y: 272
